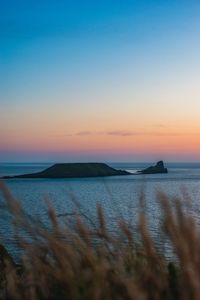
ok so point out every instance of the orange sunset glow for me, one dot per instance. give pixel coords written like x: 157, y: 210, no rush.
x: 115, y: 94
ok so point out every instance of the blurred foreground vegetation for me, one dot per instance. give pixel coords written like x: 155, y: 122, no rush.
x: 81, y: 261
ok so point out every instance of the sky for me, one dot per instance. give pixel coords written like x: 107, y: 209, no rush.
x: 101, y: 80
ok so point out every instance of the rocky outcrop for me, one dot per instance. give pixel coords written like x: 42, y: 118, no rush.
x: 74, y: 170
x: 158, y: 168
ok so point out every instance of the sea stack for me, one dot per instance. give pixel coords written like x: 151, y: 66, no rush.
x: 158, y: 168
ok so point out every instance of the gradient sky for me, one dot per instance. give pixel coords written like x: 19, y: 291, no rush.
x: 99, y: 80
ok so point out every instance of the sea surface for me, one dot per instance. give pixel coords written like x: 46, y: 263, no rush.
x: 118, y: 195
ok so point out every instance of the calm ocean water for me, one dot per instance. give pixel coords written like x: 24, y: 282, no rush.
x: 118, y: 195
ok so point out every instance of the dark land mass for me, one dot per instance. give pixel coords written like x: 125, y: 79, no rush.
x: 158, y: 168
x: 74, y: 170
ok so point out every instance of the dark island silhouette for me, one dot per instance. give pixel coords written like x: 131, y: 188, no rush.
x: 81, y: 170
x: 74, y: 170
x: 158, y: 168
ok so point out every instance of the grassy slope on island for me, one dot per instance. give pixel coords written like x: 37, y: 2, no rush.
x: 74, y: 170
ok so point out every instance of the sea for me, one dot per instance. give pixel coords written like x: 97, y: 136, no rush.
x: 119, y: 196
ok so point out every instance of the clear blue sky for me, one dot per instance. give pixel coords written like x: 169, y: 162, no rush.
x: 98, y: 74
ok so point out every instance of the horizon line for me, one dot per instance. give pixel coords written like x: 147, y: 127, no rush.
x: 97, y: 161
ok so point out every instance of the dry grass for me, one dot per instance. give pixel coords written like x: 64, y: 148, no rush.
x: 89, y: 263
